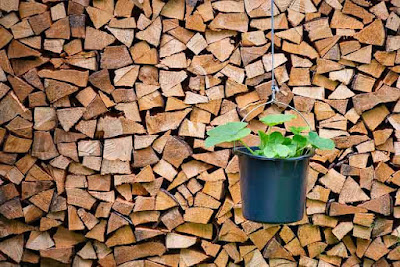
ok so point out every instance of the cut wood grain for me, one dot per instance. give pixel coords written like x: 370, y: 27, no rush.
x: 105, y: 105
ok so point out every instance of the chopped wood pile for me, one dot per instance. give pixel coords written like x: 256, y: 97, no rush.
x: 104, y: 106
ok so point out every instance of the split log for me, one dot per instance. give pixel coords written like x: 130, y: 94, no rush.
x: 105, y: 105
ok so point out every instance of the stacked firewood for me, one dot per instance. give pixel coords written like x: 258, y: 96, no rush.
x: 104, y: 108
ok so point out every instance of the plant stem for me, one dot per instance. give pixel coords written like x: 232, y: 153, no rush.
x: 248, y: 148
x: 302, y: 150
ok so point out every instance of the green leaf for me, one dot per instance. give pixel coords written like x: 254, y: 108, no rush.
x: 287, y: 141
x: 319, y: 142
x: 227, y: 128
x: 269, y: 152
x: 282, y: 150
x: 293, y: 150
x: 275, y: 119
x: 276, y: 138
x: 229, y: 132
x: 214, y: 140
x: 298, y: 130
x: 241, y: 134
x: 264, y: 138
x: 300, y: 140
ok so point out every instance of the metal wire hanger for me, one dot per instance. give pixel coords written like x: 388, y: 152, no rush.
x: 274, y: 87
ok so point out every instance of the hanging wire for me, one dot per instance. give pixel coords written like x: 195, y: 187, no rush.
x: 274, y: 87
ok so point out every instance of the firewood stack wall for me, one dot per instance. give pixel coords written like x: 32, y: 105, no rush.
x: 104, y: 106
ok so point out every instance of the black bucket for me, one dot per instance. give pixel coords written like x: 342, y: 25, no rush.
x: 273, y: 190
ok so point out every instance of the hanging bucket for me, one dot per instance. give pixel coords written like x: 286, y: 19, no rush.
x: 273, y: 190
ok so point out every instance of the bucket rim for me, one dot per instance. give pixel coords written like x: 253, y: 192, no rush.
x: 244, y: 152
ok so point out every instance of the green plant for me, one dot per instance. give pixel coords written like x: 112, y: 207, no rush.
x: 272, y: 145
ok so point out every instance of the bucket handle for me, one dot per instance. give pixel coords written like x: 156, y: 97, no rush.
x: 274, y: 87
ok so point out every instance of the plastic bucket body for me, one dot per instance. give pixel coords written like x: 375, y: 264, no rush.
x: 273, y: 190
